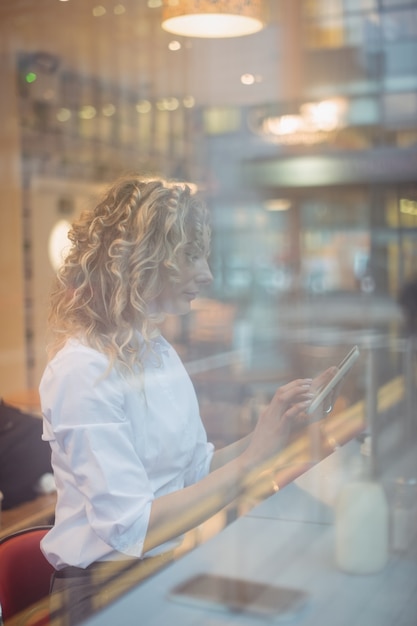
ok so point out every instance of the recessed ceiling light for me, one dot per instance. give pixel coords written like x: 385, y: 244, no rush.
x: 188, y: 102
x: 143, y: 106
x: 63, y: 115
x: 174, y: 45
x: 247, y: 79
x: 99, y: 10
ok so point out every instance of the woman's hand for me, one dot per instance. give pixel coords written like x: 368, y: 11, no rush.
x: 318, y: 383
x: 287, y: 407
x: 323, y: 378
x: 274, y: 424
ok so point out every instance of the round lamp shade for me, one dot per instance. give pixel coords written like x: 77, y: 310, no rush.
x: 212, y: 18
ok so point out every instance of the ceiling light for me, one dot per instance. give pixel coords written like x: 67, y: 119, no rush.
x: 119, y: 9
x: 188, y: 102
x: 277, y: 204
x: 174, y: 45
x: 98, y: 11
x: 143, y: 106
x: 108, y: 109
x: 87, y: 112
x: 63, y: 115
x: 212, y: 18
x: 408, y: 206
x: 247, y: 79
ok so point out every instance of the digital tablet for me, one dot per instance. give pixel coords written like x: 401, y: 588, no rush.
x: 323, y: 393
x: 240, y: 596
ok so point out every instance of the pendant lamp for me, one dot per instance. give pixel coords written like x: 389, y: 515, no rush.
x: 212, y: 18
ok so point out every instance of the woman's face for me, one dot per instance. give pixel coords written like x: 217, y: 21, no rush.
x: 176, y: 297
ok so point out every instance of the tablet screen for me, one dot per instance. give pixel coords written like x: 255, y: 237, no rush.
x: 325, y: 392
x: 238, y: 595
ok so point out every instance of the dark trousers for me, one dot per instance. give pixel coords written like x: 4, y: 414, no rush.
x: 78, y: 593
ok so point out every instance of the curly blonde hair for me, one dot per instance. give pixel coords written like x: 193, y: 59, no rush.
x: 122, y: 253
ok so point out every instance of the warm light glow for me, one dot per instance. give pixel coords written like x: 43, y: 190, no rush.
x: 312, y: 124
x: 193, y: 187
x: 284, y: 125
x: 188, y: 102
x: 143, y: 106
x: 98, y: 11
x: 323, y: 115
x: 119, y: 9
x: 167, y: 104
x: 277, y: 204
x: 87, y: 112
x: 174, y: 45
x: 247, y: 79
x: 58, y: 243
x: 408, y: 207
x: 108, y: 110
x: 63, y: 115
x: 212, y: 18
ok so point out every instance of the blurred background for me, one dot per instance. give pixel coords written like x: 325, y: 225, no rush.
x: 302, y: 138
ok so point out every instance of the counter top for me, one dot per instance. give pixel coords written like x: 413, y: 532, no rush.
x: 286, y: 540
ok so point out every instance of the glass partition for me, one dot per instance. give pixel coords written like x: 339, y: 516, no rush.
x: 302, y: 140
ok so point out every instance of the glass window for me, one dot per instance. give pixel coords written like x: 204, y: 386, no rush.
x: 316, y: 211
x: 397, y: 25
x: 396, y: 3
x: 322, y: 8
x: 354, y: 30
x: 326, y: 33
x: 400, y: 59
x: 360, y: 5
x: 400, y: 107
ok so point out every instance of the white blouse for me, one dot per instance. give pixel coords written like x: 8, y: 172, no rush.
x: 116, y: 445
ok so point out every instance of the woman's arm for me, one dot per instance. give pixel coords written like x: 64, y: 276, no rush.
x: 229, y: 452
x: 178, y: 512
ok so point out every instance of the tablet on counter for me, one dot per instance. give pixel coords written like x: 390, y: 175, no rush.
x: 240, y: 596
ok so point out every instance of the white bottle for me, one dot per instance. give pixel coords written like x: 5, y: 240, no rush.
x: 361, y: 522
x: 404, y: 514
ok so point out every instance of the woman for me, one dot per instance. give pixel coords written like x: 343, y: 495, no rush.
x: 131, y: 460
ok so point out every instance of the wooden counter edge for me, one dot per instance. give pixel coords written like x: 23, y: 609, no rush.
x: 39, y: 511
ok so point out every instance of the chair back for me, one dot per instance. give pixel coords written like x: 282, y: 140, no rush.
x: 24, y: 571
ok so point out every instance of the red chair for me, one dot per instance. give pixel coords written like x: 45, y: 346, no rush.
x: 24, y: 575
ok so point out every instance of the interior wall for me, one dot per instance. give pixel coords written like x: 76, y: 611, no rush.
x: 47, y: 197
x: 12, y: 327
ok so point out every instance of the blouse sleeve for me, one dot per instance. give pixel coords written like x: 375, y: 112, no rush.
x: 200, y: 466
x: 83, y: 408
